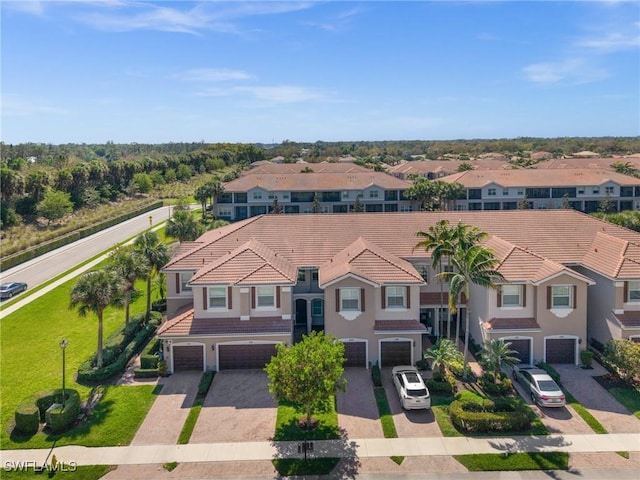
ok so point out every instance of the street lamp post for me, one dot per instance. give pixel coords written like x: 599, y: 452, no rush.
x: 151, y: 220
x: 63, y: 346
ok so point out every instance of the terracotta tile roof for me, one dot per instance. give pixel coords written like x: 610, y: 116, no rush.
x: 598, y: 163
x: 615, y: 257
x: 422, y: 167
x: 563, y: 236
x: 184, y: 247
x: 520, y: 265
x: 539, y: 178
x: 288, y: 168
x: 399, y: 325
x: 364, y: 259
x: 251, y: 263
x: 305, y: 182
x: 512, y: 324
x: 629, y: 319
x: 186, y: 324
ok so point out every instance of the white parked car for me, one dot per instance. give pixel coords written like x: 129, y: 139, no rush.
x: 411, y: 389
x: 544, y: 390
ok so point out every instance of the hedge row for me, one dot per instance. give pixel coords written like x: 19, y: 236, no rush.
x: 471, y: 413
x: 88, y: 374
x: 36, y: 410
x: 150, y: 360
x: 440, y: 384
x: 33, y: 252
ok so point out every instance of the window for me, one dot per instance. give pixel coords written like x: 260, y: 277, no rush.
x: 302, y: 276
x: 217, y: 297
x: 285, y: 196
x: 272, y: 196
x: 520, y: 192
x: 580, y: 190
x: 512, y: 295
x: 350, y: 299
x: 266, y: 296
x: 424, y: 272
x: 314, y: 275
x: 634, y: 291
x: 505, y: 191
x: 257, y: 195
x: 561, y: 296
x: 345, y: 194
x: 184, y: 278
x: 224, y: 211
x: 395, y: 297
x: 447, y: 268
x: 609, y: 190
x: 491, y: 192
x: 317, y: 307
x: 373, y: 194
x: 595, y: 190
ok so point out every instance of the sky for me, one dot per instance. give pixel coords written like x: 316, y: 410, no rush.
x: 265, y: 72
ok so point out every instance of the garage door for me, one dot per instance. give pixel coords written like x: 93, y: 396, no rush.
x: 561, y: 350
x: 355, y: 354
x: 188, y: 358
x: 246, y: 356
x: 395, y: 353
x: 635, y: 339
x: 523, y: 347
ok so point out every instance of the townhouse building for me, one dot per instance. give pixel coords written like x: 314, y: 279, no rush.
x: 545, y: 189
x: 240, y: 290
x: 335, y: 191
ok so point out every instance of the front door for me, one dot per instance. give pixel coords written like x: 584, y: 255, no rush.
x: 301, y: 312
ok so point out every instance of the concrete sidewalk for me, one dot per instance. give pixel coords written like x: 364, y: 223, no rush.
x: 360, y: 448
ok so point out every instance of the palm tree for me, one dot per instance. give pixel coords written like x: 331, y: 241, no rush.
x: 438, y: 239
x: 183, y: 226
x: 496, y: 354
x: 93, y: 293
x: 128, y: 265
x: 442, y: 354
x: 215, y: 189
x: 202, y: 195
x: 156, y: 254
x: 473, y: 264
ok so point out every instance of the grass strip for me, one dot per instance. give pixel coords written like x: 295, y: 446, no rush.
x: 170, y: 466
x: 300, y: 466
x: 386, y: 419
x: 85, y: 472
x: 190, y: 423
x: 628, y: 397
x: 493, y: 462
x: 440, y: 409
x: 589, y: 419
x: 288, y: 416
x: 397, y: 459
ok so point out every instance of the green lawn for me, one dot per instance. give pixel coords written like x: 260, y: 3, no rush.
x: 31, y: 358
x: 386, y: 419
x: 287, y: 423
x: 190, y: 422
x: 440, y: 409
x: 491, y: 462
x: 628, y: 397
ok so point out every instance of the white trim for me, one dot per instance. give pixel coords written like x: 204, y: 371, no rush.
x: 559, y: 337
x: 349, y: 275
x: 359, y: 340
x: 190, y: 344
x: 566, y: 271
x: 520, y: 337
x: 394, y: 340
x: 633, y: 336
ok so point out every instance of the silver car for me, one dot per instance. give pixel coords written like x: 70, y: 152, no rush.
x: 411, y: 389
x: 543, y: 389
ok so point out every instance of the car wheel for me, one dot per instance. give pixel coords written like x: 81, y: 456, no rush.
x: 533, y: 398
x: 10, y: 294
x: 514, y: 375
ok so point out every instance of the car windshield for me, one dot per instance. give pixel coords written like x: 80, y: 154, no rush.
x: 548, y: 386
x: 419, y: 392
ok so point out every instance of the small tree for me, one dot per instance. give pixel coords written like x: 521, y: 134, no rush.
x: 128, y: 265
x: 308, y: 372
x: 443, y: 354
x: 315, y: 205
x: 358, y: 207
x: 496, y: 354
x: 566, y: 204
x: 183, y: 226
x: 625, y: 357
x: 523, y: 204
x: 55, y: 205
x: 276, y: 208
x: 606, y: 205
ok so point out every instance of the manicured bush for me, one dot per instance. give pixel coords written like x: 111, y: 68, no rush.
x: 27, y: 418
x: 490, y: 387
x: 472, y: 414
x: 205, y: 382
x: 149, y: 361
x: 442, y: 384
x: 145, y: 373
x: 586, y: 357
x: 376, y: 375
x: 59, y: 419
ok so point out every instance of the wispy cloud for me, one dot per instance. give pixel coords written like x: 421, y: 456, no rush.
x: 338, y: 22
x: 279, y: 94
x: 32, y: 7
x: 571, y: 71
x: 17, y: 106
x: 212, y: 75
x: 612, y: 41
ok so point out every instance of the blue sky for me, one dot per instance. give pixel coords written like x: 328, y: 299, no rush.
x: 150, y: 72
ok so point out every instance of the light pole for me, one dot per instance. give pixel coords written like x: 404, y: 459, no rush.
x: 151, y: 220
x: 63, y: 346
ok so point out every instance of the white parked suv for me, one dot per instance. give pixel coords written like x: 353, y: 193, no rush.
x: 411, y: 389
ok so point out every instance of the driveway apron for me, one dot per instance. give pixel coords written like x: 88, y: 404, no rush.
x: 166, y: 417
x: 357, y: 410
x: 602, y: 405
x: 409, y: 423
x: 238, y: 408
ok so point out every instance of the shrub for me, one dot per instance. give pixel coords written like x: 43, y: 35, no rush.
x: 624, y: 355
x: 586, y: 357
x: 472, y: 413
x: 159, y: 306
x: 205, y: 382
x: 443, y: 384
x: 59, y: 419
x: 27, y: 418
x: 456, y: 368
x: 423, y: 364
x: 489, y: 385
x: 149, y: 362
x: 376, y: 375
x: 145, y: 373
x: 154, y: 318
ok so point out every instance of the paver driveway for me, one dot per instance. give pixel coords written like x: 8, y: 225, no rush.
x: 238, y: 408
x: 409, y: 423
x: 357, y: 409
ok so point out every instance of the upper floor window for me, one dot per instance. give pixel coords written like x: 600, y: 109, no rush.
x: 581, y: 190
x: 184, y: 279
x: 595, y: 190
x: 265, y: 296
x: 314, y: 275
x: 447, y: 268
x: 395, y: 297
x: 561, y: 296
x: 511, y: 296
x: 633, y: 291
x: 350, y: 299
x: 373, y: 194
x: 505, y: 191
x: 217, y: 297
x: 491, y: 192
x: 609, y: 190
x: 257, y: 195
x: 424, y: 272
x: 302, y: 276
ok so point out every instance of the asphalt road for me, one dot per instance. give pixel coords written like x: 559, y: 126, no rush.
x: 47, y: 266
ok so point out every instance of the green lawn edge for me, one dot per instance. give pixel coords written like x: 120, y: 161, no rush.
x: 494, y: 462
